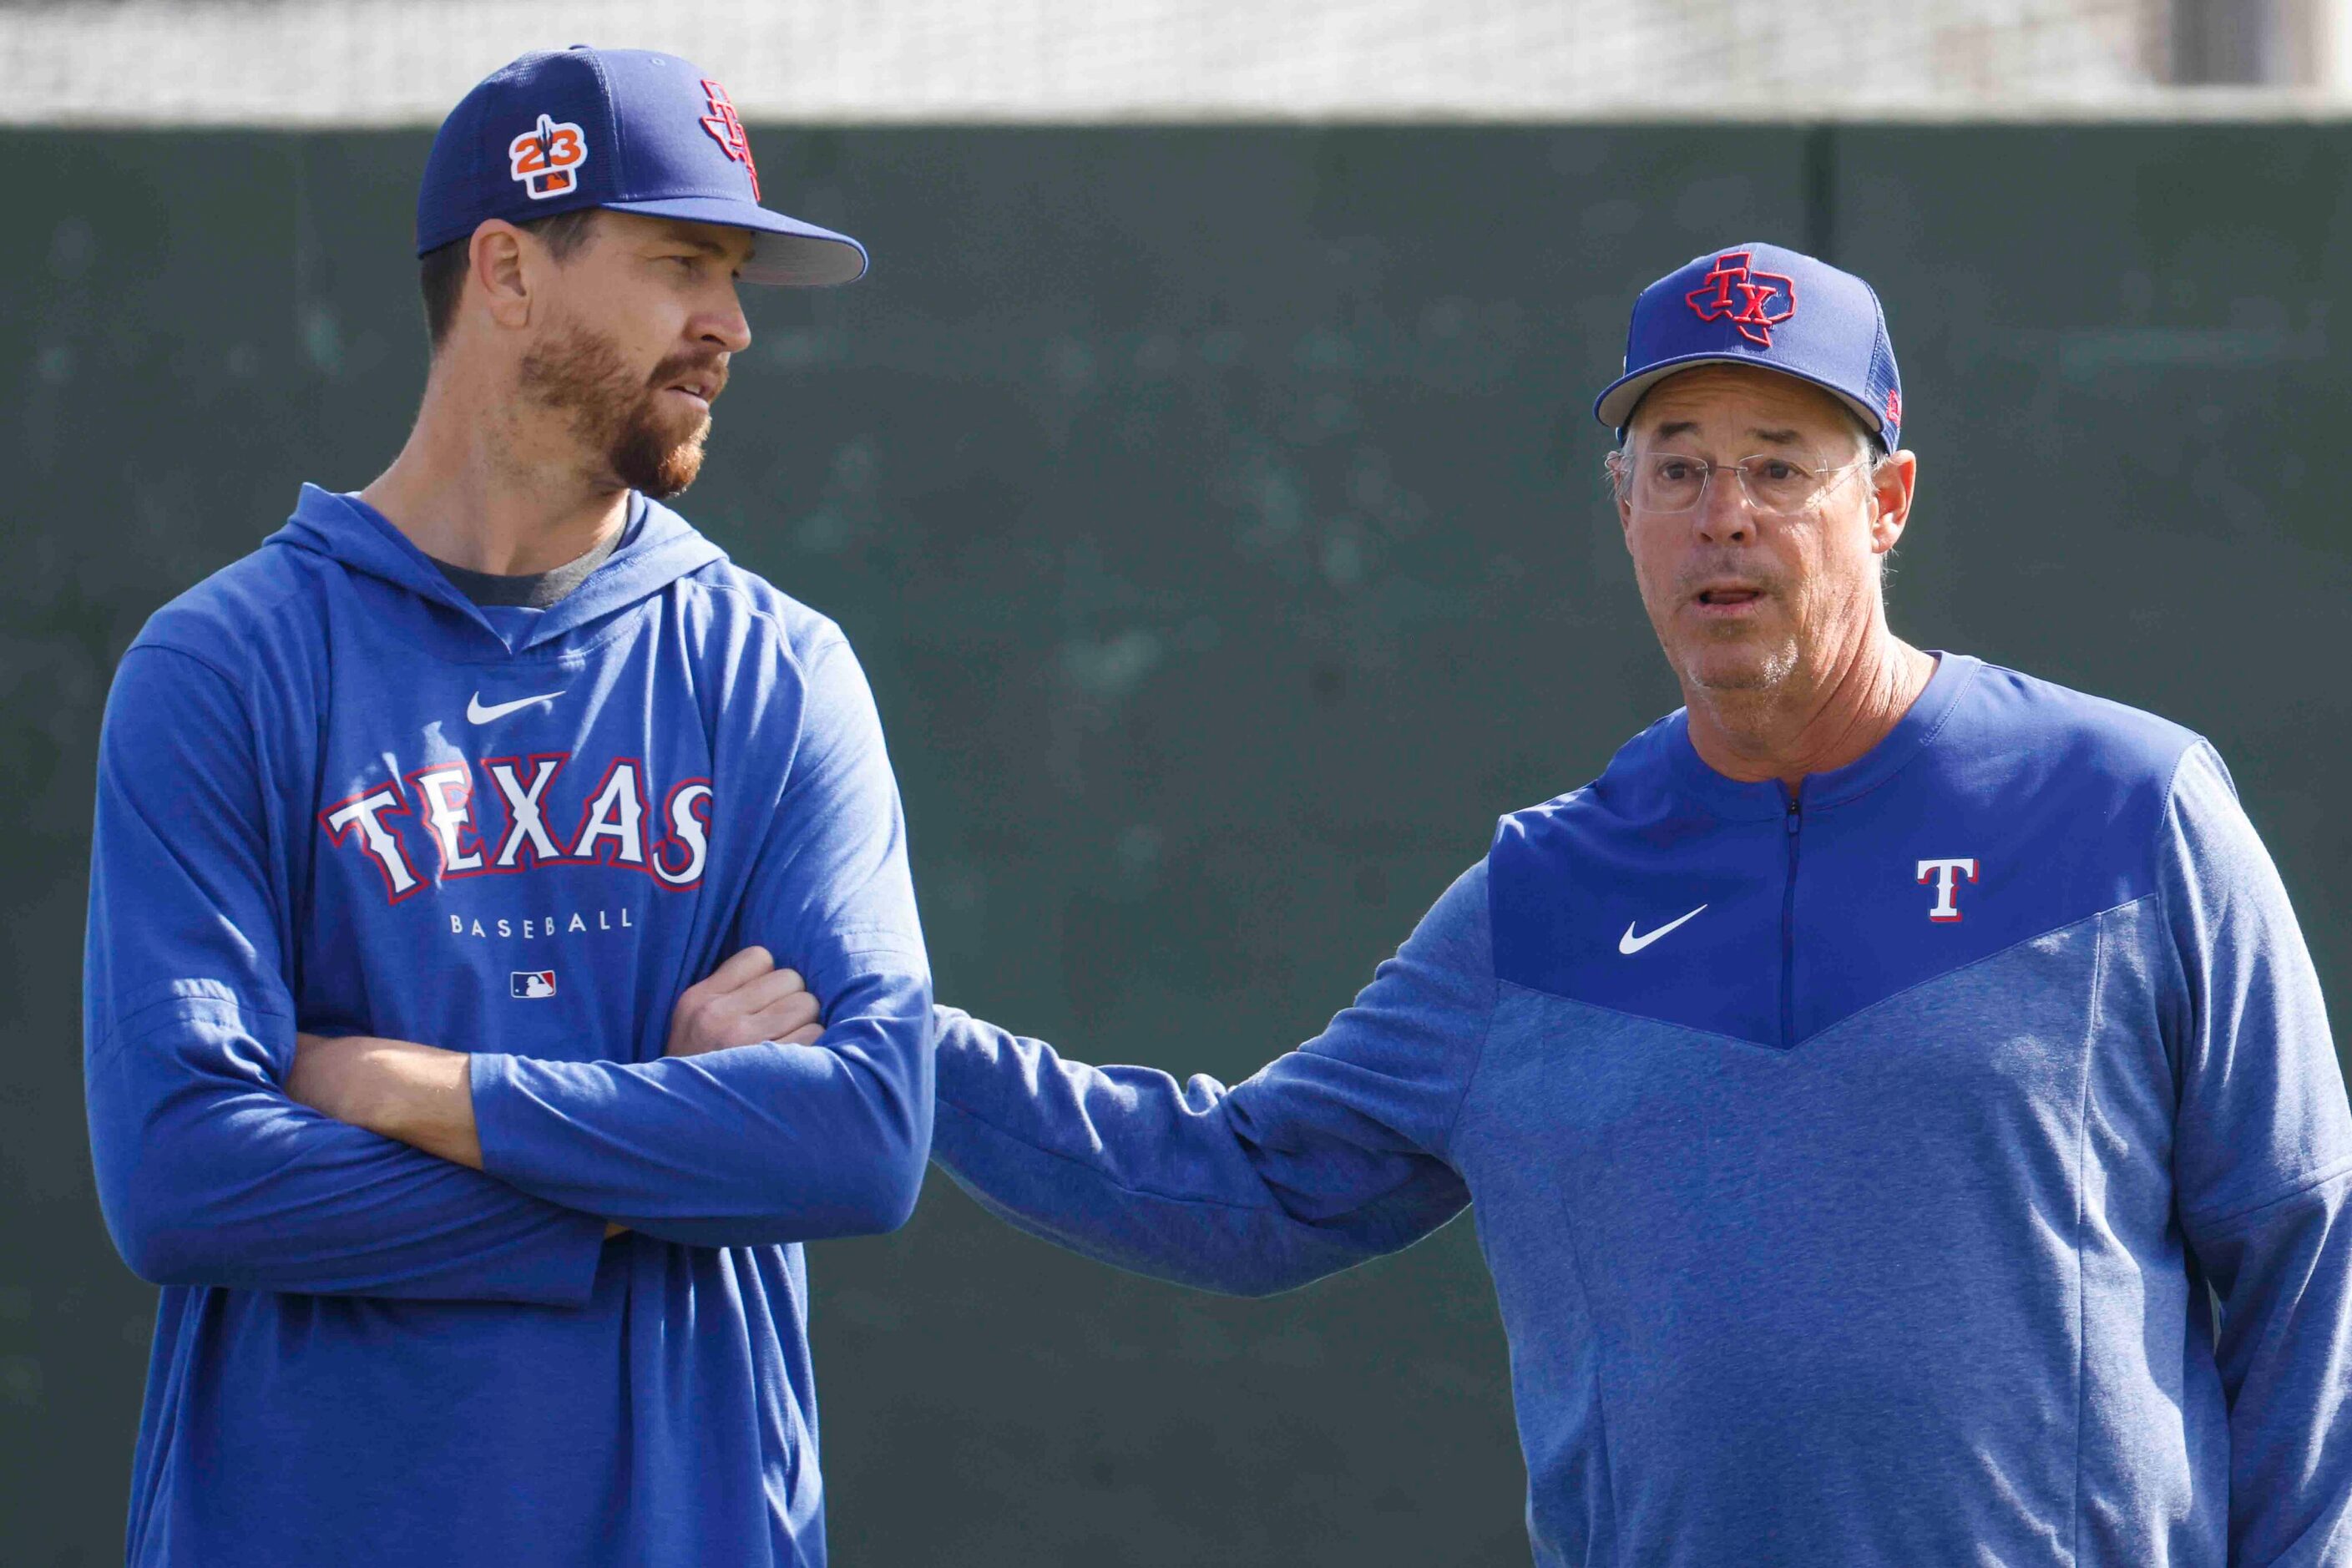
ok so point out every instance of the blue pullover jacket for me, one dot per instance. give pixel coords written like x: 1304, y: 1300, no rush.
x: 1946, y: 1163
x: 335, y: 795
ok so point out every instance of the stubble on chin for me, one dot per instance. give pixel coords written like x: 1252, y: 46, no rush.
x: 1736, y: 659
x: 1725, y: 670
x: 612, y: 414
x: 650, y: 459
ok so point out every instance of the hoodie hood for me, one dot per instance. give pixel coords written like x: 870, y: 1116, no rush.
x: 657, y: 548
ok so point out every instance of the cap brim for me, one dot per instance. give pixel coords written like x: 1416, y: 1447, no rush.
x: 790, y: 253
x: 1615, y: 405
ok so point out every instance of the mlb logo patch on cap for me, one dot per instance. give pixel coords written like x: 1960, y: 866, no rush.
x: 532, y: 983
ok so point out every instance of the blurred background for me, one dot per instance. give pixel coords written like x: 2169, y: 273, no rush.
x: 1206, y: 477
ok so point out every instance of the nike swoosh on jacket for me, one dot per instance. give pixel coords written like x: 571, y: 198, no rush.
x: 1826, y: 1232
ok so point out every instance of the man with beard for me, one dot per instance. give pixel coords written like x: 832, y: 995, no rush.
x: 1897, y: 1101
x: 413, y: 826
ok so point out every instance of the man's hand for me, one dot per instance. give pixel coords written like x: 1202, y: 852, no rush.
x: 746, y: 1001
x: 424, y: 1096
x: 421, y: 1095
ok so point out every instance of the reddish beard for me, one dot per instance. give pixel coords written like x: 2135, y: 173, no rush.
x: 612, y: 414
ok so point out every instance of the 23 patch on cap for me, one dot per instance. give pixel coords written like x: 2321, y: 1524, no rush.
x: 547, y: 158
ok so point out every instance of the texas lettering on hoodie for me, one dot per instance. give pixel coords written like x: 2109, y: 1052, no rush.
x: 335, y: 795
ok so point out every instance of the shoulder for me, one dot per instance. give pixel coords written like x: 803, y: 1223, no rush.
x: 731, y: 612
x: 1635, y: 793
x: 1551, y: 824
x: 2073, y: 786
x: 1460, y: 919
x: 227, y: 622
x: 223, y: 670
x: 775, y: 667
x: 2037, y: 733
x: 740, y: 605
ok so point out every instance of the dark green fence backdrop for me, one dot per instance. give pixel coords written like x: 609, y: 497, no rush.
x: 1218, y: 514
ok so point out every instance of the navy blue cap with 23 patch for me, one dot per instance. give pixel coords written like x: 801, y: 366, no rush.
x: 630, y: 130
x: 1766, y: 306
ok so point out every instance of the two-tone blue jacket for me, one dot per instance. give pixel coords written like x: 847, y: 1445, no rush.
x: 1947, y: 1162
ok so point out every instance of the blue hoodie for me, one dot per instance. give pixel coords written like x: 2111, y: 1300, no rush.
x: 1858, y: 1169
x: 335, y: 795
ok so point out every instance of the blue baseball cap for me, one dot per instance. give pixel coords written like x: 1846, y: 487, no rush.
x: 1769, y: 307
x: 625, y: 129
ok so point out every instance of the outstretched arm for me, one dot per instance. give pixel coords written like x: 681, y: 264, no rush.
x: 208, y: 1173
x: 1335, y: 1153
x: 2263, y: 1167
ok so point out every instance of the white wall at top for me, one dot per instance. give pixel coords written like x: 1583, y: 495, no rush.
x: 406, y: 61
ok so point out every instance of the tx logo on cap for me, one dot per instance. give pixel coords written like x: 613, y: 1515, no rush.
x: 1756, y: 302
x: 547, y: 159
x: 725, y: 128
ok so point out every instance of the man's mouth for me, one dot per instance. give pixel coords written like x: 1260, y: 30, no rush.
x: 702, y: 385
x: 1728, y: 599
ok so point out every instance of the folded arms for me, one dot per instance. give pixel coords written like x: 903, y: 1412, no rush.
x: 497, y: 1183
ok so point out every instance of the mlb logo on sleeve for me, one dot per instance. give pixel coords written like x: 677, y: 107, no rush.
x: 532, y: 983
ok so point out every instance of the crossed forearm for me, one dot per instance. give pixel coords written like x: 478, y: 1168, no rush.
x: 419, y: 1094
x: 424, y: 1096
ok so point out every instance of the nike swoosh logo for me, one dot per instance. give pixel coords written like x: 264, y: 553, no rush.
x: 1630, y: 944
x: 481, y: 715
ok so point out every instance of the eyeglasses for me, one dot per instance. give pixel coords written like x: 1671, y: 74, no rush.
x: 1675, y: 482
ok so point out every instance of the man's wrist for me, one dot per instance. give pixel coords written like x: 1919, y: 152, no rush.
x: 426, y: 1099
x: 419, y: 1094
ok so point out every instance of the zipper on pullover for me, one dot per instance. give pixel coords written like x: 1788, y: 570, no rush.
x: 1794, y: 818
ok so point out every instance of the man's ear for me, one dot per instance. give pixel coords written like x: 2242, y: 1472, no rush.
x: 495, y: 270
x: 1894, y: 480
x: 1616, y: 469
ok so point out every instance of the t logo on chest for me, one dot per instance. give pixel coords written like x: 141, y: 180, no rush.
x: 1947, y: 875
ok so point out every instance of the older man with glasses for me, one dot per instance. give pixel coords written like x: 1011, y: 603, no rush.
x: 1897, y: 1100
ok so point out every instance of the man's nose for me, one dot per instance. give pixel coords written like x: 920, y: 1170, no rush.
x: 1723, y: 515
x: 727, y: 326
